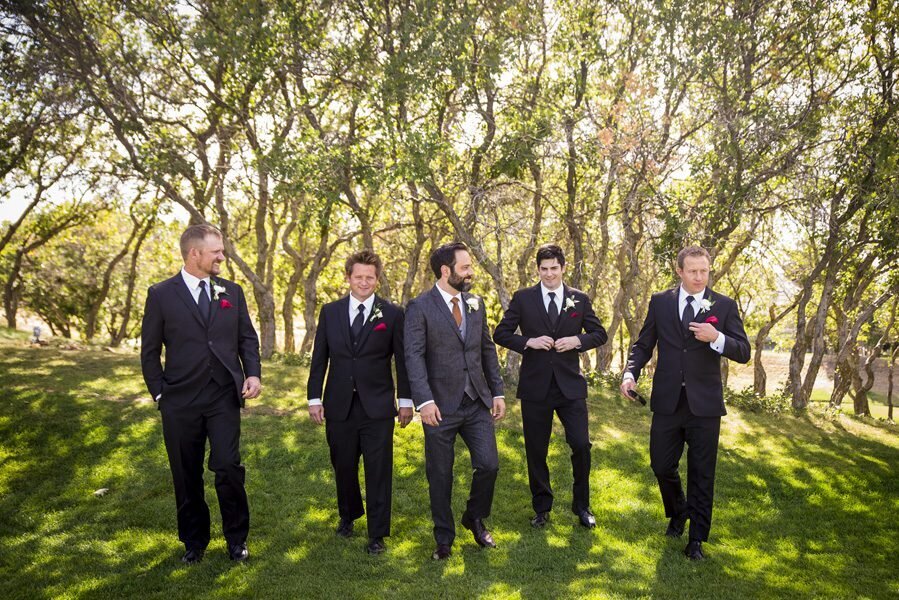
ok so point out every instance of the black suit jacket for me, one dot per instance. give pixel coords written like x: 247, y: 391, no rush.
x: 538, y: 367
x: 683, y: 358
x: 365, y: 367
x: 172, y: 319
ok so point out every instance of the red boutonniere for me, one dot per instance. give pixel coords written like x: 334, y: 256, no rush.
x: 574, y: 314
x: 713, y: 320
x: 223, y: 304
x: 381, y: 327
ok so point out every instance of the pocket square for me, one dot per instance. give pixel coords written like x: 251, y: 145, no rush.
x: 224, y: 304
x: 574, y: 314
x: 381, y: 327
x: 713, y: 320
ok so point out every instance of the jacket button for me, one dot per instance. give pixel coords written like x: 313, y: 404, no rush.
x: 685, y: 350
x: 210, y: 343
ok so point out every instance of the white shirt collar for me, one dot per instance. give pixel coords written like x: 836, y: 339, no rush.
x: 559, y: 291
x: 193, y: 283
x: 448, y: 298
x: 698, y: 296
x: 354, y: 304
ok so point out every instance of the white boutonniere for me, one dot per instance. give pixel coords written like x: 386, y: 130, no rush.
x: 705, y: 305
x: 473, y: 303
x: 376, y: 314
x: 569, y: 303
x: 217, y: 290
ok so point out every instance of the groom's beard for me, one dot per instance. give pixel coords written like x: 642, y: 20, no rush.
x: 463, y: 284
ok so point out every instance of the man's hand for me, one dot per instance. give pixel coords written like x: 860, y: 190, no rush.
x: 251, y: 388
x: 567, y: 343
x: 317, y: 414
x: 626, y: 386
x: 704, y: 332
x: 499, y: 408
x: 544, y: 342
x: 430, y: 415
x: 405, y: 416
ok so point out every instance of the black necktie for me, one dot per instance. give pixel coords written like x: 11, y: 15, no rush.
x: 552, y: 310
x: 358, y: 322
x: 689, y: 313
x: 203, y: 302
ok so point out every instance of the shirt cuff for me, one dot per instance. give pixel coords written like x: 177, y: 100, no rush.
x: 423, y: 404
x: 718, y: 344
x: 406, y: 403
x: 315, y: 401
x: 156, y: 399
x: 628, y: 377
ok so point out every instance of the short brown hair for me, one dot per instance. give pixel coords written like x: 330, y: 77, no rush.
x: 445, y: 256
x: 363, y: 257
x: 692, y: 251
x: 549, y: 252
x: 196, y: 233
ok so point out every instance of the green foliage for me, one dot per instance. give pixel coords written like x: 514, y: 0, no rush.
x: 748, y: 399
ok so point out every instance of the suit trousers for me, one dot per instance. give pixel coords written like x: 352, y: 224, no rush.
x: 537, y: 421
x: 213, y: 414
x: 372, y: 440
x: 474, y: 423
x: 667, y: 436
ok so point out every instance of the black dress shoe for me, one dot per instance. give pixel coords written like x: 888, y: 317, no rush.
x: 441, y: 553
x: 540, y: 519
x: 192, y: 556
x: 676, y: 525
x: 376, y: 546
x: 345, y: 528
x: 238, y: 552
x: 693, y: 551
x: 587, y: 519
x: 481, y: 535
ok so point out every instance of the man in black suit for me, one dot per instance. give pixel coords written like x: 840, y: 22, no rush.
x: 456, y: 385
x: 693, y: 328
x: 354, y: 342
x: 557, y: 323
x: 211, y: 366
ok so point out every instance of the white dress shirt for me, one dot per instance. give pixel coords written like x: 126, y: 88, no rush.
x: 559, y: 292
x: 193, y: 284
x: 717, y: 345
x: 368, y: 303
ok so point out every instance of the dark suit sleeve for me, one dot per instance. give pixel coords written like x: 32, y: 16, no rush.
x: 642, y: 349
x: 402, y: 378
x: 594, y: 334
x: 736, y: 343
x: 320, y: 356
x: 504, y: 334
x: 151, y: 334
x: 489, y: 361
x: 415, y: 345
x: 247, y: 340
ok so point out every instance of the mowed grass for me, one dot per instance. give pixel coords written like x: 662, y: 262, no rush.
x: 804, y: 507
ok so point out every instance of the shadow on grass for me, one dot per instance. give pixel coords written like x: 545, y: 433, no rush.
x: 797, y: 510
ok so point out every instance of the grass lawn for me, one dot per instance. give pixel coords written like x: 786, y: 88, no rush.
x: 804, y: 507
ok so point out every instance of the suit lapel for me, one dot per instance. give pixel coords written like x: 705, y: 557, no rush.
x: 186, y: 297
x: 469, y: 317
x: 443, y: 309
x: 675, y: 302
x: 562, y: 313
x: 214, y: 309
x: 368, y: 326
x: 342, y: 307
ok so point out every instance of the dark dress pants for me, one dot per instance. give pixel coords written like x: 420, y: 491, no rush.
x: 214, y: 414
x: 372, y: 440
x: 474, y: 423
x: 667, y: 436
x: 537, y: 421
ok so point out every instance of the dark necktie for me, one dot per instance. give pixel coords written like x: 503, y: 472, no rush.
x: 552, y: 310
x: 457, y: 314
x: 689, y: 313
x: 203, y: 302
x: 358, y: 323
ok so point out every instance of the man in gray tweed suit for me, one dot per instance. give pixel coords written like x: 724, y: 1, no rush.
x: 454, y: 375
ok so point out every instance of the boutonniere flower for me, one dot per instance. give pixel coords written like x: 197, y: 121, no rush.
x: 376, y: 314
x: 472, y: 303
x: 224, y: 304
x: 569, y: 303
x: 218, y: 290
x: 705, y: 305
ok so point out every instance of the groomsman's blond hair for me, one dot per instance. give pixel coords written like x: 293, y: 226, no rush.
x: 195, y: 234
x: 363, y: 257
x: 692, y: 251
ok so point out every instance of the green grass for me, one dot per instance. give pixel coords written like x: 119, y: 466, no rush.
x: 804, y: 507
